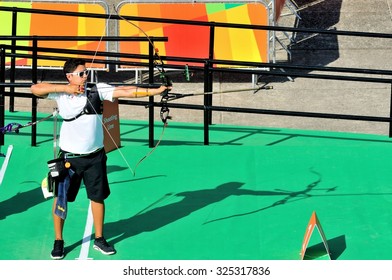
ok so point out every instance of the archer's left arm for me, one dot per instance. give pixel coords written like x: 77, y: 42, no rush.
x: 136, y: 92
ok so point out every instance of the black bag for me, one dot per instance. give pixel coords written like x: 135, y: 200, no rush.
x: 57, y: 171
x: 57, y: 167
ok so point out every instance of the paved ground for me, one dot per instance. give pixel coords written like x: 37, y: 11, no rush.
x: 299, y: 94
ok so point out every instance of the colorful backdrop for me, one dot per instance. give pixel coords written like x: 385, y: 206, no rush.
x: 193, y: 41
x: 49, y: 25
x: 184, y: 40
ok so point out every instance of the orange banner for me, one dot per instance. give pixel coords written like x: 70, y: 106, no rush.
x: 193, y: 40
x: 55, y: 25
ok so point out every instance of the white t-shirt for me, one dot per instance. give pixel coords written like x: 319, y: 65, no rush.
x: 85, y: 134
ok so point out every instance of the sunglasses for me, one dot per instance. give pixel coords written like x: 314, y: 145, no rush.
x: 80, y: 74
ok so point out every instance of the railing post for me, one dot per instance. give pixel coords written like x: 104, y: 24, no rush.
x: 390, y: 115
x: 34, y: 98
x: 2, y: 90
x: 208, y: 81
x: 151, y: 98
x: 13, y: 61
x: 210, y: 75
x: 207, y: 101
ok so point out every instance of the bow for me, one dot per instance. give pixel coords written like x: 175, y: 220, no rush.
x: 164, y: 113
x: 173, y: 96
x: 159, y: 65
x: 169, y: 96
x: 166, y: 96
x: 165, y: 79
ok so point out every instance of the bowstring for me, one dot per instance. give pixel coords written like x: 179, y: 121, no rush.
x: 156, y: 53
x: 88, y: 100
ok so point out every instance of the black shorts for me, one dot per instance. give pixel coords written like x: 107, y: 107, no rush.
x: 91, y: 169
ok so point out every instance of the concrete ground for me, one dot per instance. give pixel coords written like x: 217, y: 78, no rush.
x: 297, y: 94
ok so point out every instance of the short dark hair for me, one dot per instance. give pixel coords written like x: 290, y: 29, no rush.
x: 71, y: 64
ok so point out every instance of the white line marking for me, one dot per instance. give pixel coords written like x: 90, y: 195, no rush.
x: 87, y: 236
x: 5, y: 163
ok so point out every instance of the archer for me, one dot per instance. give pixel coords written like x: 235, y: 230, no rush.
x: 82, y: 155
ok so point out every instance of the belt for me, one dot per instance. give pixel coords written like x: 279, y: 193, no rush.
x: 71, y: 155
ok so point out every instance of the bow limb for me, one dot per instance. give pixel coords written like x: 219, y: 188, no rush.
x: 163, y: 77
x: 159, y: 66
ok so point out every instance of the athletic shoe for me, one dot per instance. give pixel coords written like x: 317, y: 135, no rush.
x: 58, y: 250
x: 100, y: 244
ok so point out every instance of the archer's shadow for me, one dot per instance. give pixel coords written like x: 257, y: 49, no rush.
x: 192, y: 201
x: 21, y: 202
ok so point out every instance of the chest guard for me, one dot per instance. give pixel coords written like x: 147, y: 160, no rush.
x: 93, y: 105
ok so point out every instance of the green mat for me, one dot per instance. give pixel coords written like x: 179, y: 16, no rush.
x: 248, y: 195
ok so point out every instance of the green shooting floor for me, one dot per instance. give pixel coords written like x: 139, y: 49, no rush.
x: 248, y: 195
